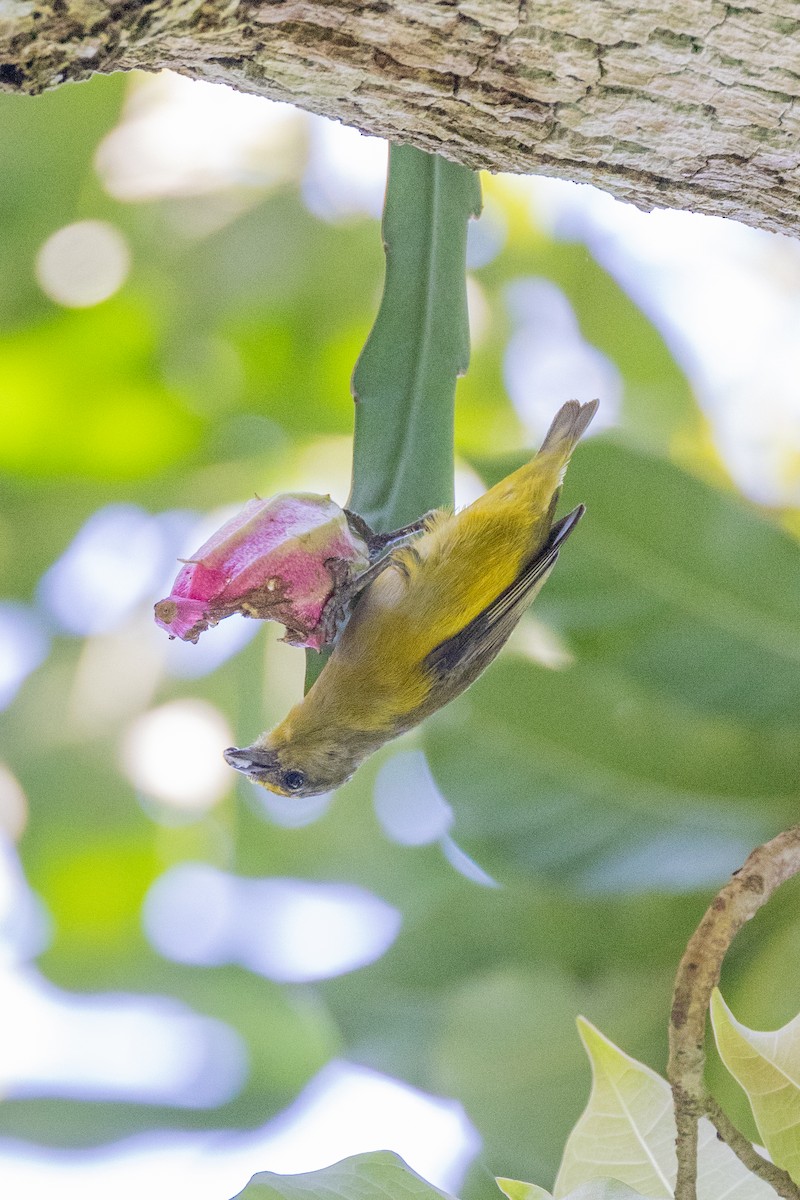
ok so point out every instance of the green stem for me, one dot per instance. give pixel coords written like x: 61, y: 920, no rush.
x: 405, y: 379
x: 404, y: 382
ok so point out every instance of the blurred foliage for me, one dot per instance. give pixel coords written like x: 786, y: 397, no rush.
x: 363, y: 1175
x: 605, y: 792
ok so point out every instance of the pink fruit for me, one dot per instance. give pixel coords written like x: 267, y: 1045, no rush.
x: 287, y: 559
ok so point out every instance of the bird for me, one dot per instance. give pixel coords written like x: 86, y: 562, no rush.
x: 427, y: 627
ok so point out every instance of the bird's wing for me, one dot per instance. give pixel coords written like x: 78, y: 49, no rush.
x: 461, y: 658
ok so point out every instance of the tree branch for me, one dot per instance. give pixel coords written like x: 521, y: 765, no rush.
x: 749, y: 888
x: 746, y: 1152
x: 675, y: 105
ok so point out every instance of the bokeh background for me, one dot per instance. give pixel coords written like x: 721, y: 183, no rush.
x: 198, y: 982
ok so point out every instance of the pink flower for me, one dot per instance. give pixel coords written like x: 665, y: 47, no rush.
x: 292, y: 559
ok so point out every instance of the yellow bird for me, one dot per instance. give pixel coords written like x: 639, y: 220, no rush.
x: 427, y: 626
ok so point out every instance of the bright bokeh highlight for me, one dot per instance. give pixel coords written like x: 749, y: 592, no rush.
x: 13, y: 804
x: 83, y: 264
x: 174, y: 754
x: 184, y: 137
x: 24, y: 645
x: 112, y: 564
x: 146, y: 1050
x: 547, y: 358
x: 290, y: 930
x: 346, y: 1110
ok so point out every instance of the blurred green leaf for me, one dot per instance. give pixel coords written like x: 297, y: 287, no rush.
x: 126, y: 424
x: 597, y: 1189
x: 363, y: 1177
x: 690, y: 592
x: 515, y: 1189
x: 604, y: 782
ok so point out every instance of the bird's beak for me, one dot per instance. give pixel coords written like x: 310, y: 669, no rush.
x: 251, y: 760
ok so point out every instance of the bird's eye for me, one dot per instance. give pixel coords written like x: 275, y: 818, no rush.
x: 293, y: 780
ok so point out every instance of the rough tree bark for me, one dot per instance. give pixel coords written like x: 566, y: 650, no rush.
x: 678, y: 103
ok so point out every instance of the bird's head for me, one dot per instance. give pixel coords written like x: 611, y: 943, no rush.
x: 300, y: 766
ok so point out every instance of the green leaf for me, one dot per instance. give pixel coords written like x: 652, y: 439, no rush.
x: 767, y: 1065
x: 582, y: 775
x: 364, y: 1177
x: 767, y: 948
x: 515, y: 1189
x: 404, y: 381
x: 603, y: 1189
x: 93, y: 377
x: 628, y: 1131
x: 627, y: 1128
x: 598, y: 1189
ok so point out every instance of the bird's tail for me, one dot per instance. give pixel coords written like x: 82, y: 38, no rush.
x: 568, y: 427
x: 536, y: 484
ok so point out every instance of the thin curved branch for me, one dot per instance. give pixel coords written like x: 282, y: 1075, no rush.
x: 736, y: 903
x: 746, y: 1152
